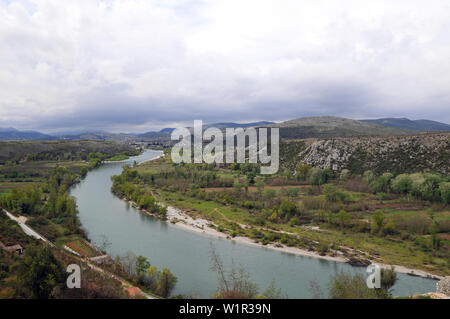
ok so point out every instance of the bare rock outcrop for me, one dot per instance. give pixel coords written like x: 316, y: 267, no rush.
x: 426, y: 152
x: 443, y: 286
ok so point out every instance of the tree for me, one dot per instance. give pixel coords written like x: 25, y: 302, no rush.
x: 128, y: 260
x: 166, y: 282
x: 273, y: 292
x: 142, y: 264
x: 401, y: 184
x: 287, y: 209
x: 381, y: 184
x: 444, y: 189
x: 149, y: 278
x: 319, y: 176
x: 330, y: 192
x: 303, y: 170
x: 378, y: 219
x: 388, y: 280
x: 368, y: 176
x: 344, y: 218
x: 315, y: 176
x: 344, y: 285
x: 41, y: 272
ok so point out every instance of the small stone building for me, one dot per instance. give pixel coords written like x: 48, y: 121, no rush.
x: 12, y: 249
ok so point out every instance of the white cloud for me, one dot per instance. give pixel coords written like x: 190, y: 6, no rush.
x: 132, y: 63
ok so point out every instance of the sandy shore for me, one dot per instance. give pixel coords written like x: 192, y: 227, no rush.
x: 412, y: 272
x: 152, y: 159
x: 180, y: 219
x: 125, y: 160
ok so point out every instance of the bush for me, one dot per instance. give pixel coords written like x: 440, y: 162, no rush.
x: 294, y: 221
x: 323, y: 249
x: 382, y: 196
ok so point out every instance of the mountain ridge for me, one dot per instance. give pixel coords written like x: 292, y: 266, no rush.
x: 304, y: 127
x: 332, y: 126
x: 407, y: 124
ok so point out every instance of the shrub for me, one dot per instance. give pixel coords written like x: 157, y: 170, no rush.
x: 323, y: 249
x: 378, y: 221
x: 294, y: 221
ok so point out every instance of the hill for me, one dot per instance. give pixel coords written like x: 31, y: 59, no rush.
x: 12, y: 134
x: 331, y: 126
x: 100, y: 136
x: 407, y: 124
x: 395, y: 154
x: 60, y: 149
x: 164, y: 134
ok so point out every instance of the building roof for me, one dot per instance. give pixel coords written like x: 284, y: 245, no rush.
x: 13, y: 248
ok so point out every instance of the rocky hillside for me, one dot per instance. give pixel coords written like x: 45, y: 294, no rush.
x: 396, y: 154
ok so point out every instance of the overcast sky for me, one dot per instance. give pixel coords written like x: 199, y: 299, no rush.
x: 139, y: 65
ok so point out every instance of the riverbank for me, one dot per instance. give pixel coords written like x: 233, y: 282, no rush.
x: 202, y: 226
x: 152, y: 159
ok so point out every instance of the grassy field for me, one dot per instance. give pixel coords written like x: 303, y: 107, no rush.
x: 34, y: 173
x: 405, y: 238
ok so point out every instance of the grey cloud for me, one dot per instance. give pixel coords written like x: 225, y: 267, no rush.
x: 137, y: 64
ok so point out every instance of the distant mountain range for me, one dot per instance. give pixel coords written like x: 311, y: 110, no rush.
x: 11, y: 134
x: 305, y: 127
x: 165, y: 132
x: 407, y: 124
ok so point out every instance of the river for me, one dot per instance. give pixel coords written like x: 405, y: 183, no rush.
x: 186, y: 253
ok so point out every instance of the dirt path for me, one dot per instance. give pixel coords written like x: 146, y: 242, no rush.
x: 32, y: 233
